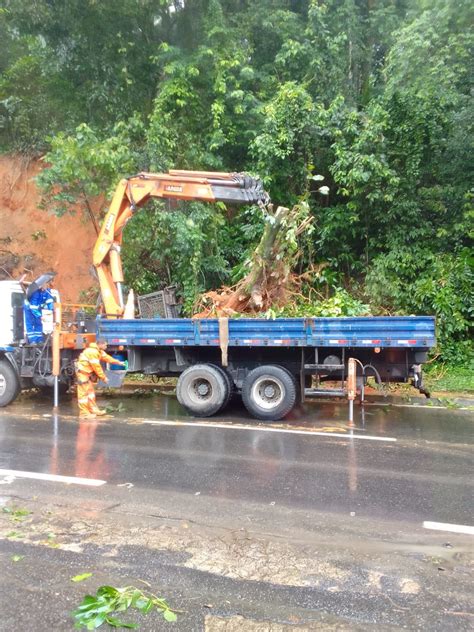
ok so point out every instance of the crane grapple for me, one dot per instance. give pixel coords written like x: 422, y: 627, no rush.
x: 230, y: 188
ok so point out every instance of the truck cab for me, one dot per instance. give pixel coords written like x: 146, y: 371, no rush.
x: 11, y: 336
x: 23, y: 365
x: 11, y: 313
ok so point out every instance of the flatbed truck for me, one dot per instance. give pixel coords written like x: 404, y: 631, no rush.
x: 270, y: 363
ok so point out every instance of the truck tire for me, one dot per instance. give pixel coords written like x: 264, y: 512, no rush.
x: 269, y: 392
x: 202, y: 389
x: 9, y: 383
x: 228, y: 381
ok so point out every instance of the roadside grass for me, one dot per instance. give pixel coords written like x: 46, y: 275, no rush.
x: 440, y: 377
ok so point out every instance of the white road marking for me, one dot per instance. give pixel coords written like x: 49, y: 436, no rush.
x: 231, y: 426
x: 55, y: 478
x: 445, y: 526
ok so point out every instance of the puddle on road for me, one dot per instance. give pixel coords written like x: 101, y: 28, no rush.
x: 323, y: 416
x: 91, y: 448
x: 122, y: 448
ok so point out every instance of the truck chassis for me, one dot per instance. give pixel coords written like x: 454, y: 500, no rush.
x: 270, y: 363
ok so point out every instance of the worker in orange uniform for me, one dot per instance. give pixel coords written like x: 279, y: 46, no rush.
x: 88, y: 369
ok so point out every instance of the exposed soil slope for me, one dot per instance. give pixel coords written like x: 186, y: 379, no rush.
x: 35, y: 241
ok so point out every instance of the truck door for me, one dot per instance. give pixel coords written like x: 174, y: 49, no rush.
x: 17, y: 314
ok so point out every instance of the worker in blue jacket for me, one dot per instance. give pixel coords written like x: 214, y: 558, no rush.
x: 40, y: 299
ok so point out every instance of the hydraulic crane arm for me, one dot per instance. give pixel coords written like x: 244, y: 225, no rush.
x: 133, y: 193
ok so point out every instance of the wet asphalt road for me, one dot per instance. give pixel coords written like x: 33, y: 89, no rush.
x: 375, y: 481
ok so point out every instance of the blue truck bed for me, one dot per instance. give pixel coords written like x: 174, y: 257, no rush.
x: 385, y: 331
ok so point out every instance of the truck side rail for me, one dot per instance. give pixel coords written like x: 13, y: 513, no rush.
x: 369, y: 332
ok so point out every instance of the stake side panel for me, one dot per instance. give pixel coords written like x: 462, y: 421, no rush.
x: 366, y: 332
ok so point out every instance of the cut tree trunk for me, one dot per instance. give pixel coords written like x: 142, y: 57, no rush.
x: 266, y: 261
x: 269, y: 280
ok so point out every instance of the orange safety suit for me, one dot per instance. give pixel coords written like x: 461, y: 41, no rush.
x: 88, y: 366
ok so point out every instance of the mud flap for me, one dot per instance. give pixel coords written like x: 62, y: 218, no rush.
x: 418, y: 380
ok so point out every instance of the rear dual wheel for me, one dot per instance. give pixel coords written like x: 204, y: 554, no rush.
x: 229, y: 385
x: 204, y: 389
x: 269, y: 392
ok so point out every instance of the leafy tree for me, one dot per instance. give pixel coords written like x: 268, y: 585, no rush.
x: 431, y: 54
x: 285, y: 148
x: 420, y: 281
x: 89, y: 164
x: 103, y: 51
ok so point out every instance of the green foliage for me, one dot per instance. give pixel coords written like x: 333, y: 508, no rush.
x: 375, y: 97
x: 97, y: 57
x: 31, y: 99
x: 432, y: 53
x: 38, y: 234
x: 361, y: 167
x: 17, y: 558
x: 237, y: 239
x: 95, y: 610
x: 204, y: 102
x: 119, y: 408
x: 284, y: 149
x: 339, y: 304
x: 81, y: 578
x: 14, y: 535
x: 443, y: 377
x: 421, y: 282
x: 87, y: 164
x: 181, y: 246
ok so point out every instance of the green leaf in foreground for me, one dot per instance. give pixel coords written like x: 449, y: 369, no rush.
x: 101, y: 607
x: 81, y: 578
x: 115, y: 623
x: 170, y: 616
x: 17, y: 558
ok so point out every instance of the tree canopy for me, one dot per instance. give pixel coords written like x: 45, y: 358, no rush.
x: 361, y: 109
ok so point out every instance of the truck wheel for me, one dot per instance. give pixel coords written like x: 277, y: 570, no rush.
x: 269, y: 392
x: 229, y: 383
x: 9, y: 383
x: 202, y: 390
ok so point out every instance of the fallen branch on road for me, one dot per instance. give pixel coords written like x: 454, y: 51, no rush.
x: 101, y: 607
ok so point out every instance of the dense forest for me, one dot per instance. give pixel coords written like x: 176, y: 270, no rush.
x: 358, y: 111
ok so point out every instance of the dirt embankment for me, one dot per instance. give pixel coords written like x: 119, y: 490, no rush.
x: 34, y: 241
